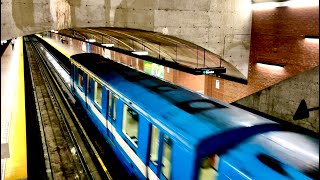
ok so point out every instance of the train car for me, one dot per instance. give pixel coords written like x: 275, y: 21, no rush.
x: 160, y: 130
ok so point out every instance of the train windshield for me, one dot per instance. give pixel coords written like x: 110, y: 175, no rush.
x: 297, y: 150
x: 278, y: 154
x: 209, y: 167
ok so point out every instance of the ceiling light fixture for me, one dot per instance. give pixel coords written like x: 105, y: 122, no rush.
x: 107, y: 45
x: 270, y: 65
x: 311, y: 39
x: 302, y: 3
x: 264, y: 6
x: 140, y: 53
x: 91, y: 40
x: 290, y: 3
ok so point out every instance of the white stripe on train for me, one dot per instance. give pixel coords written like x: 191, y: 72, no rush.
x: 133, y: 156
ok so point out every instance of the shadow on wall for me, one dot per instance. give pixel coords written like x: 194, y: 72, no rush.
x: 73, y: 5
x: 137, y: 14
x: 31, y: 16
x: 23, y: 14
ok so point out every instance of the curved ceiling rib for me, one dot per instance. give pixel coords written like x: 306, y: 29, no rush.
x: 160, y: 46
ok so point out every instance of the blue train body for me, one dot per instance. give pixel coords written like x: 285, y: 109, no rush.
x: 162, y: 131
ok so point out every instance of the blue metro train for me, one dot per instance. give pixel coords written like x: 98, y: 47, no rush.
x: 163, y: 131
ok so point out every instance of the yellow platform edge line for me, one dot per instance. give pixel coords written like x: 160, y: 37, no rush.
x: 16, y: 165
x: 102, y: 164
x: 56, y: 47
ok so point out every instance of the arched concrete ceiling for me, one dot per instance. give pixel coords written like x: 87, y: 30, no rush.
x: 158, y: 45
x: 222, y: 27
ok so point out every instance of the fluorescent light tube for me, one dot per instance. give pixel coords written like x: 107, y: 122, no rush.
x: 140, y: 53
x: 107, y: 45
x: 91, y: 40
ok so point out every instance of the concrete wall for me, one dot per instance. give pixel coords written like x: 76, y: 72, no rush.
x: 223, y: 27
x: 220, y: 26
x: 277, y: 37
x: 18, y: 17
x: 283, y: 99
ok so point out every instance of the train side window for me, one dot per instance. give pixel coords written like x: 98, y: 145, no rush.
x: 97, y: 93
x: 166, y: 157
x: 112, y: 106
x: 130, y: 123
x: 154, y: 145
x: 80, y: 78
x: 89, y: 79
x: 209, y: 167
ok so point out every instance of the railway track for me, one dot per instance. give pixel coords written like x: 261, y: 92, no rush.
x: 107, y: 164
x: 66, y: 154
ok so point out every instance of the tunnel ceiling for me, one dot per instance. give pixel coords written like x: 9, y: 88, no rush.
x: 158, y: 45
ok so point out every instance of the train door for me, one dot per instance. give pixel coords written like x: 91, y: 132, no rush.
x: 112, y: 98
x: 209, y: 168
x: 160, y: 155
x: 72, y: 77
x: 81, y: 85
x: 88, y: 88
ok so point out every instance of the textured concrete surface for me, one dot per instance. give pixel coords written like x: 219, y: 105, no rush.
x: 277, y: 37
x: 282, y: 100
x: 222, y: 27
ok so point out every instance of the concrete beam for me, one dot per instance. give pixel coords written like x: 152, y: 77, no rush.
x: 220, y: 26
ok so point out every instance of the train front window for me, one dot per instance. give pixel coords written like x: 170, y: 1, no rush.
x: 130, y: 123
x: 97, y: 93
x: 209, y: 167
x: 80, y: 78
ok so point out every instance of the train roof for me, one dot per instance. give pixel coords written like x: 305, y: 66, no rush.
x: 184, y: 114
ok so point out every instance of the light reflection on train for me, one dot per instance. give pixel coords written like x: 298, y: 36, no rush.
x: 162, y: 131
